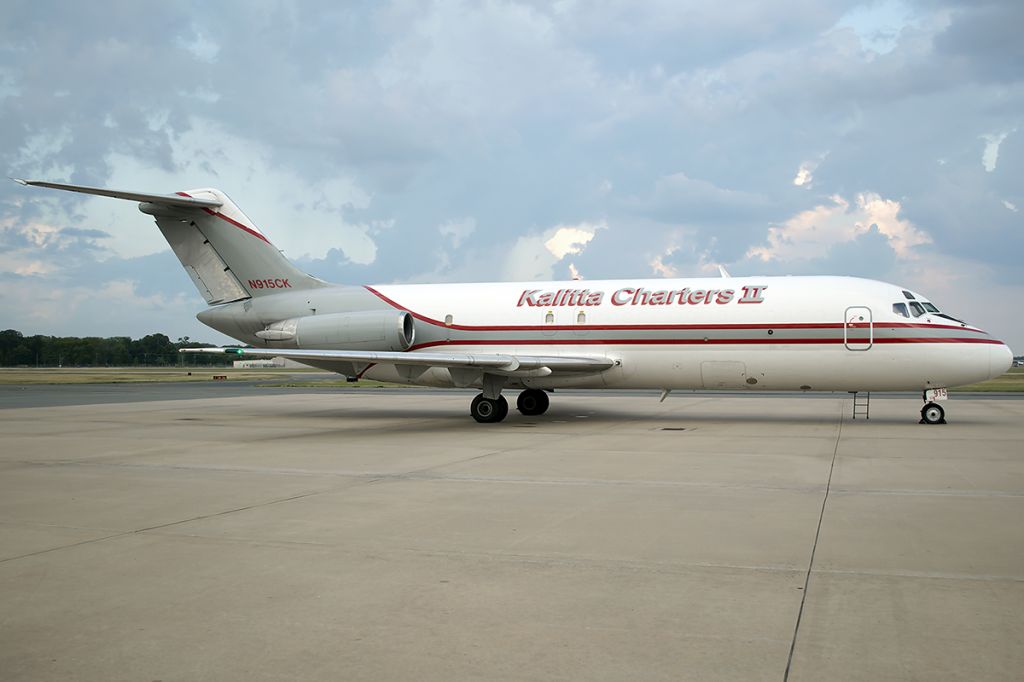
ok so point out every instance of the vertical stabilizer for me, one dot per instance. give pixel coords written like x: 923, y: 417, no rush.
x: 225, y: 254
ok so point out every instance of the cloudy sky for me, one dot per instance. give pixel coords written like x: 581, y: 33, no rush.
x: 451, y: 141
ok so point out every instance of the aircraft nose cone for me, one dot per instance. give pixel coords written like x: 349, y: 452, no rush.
x: 1000, y: 359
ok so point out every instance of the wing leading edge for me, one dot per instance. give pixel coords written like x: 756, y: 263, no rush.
x: 497, y: 363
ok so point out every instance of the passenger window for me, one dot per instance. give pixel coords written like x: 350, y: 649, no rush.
x: 549, y: 318
x: 916, y: 308
x: 900, y: 309
x: 581, y: 318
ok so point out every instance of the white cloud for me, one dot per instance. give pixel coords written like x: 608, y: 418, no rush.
x: 990, y: 156
x: 570, y: 239
x: 200, y: 46
x: 39, y: 155
x: 803, y: 177
x: 33, y: 247
x: 661, y: 268
x: 809, y: 234
x: 1010, y: 205
x: 805, y: 174
x: 533, y: 257
x: 877, y: 24
x: 953, y: 283
x: 84, y: 310
x: 457, y: 230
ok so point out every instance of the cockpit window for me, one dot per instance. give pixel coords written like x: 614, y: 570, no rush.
x: 900, y: 309
x: 909, y: 296
x: 916, y: 308
x: 929, y: 307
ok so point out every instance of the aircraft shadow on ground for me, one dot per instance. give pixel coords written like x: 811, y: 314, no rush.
x: 426, y: 420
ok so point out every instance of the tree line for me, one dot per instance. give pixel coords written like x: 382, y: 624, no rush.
x: 154, y: 350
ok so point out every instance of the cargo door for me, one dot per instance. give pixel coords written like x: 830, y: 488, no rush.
x: 858, y: 328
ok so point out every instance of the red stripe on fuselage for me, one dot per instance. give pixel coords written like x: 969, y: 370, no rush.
x: 683, y: 342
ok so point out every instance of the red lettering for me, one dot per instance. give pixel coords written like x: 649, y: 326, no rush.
x: 641, y: 297
x: 528, y: 298
x: 753, y: 295
x: 278, y: 283
x: 621, y: 297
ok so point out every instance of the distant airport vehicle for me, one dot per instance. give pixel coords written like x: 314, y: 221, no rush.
x: 763, y: 333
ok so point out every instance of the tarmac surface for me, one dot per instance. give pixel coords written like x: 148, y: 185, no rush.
x: 274, y: 534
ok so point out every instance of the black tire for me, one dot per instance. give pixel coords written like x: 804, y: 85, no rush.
x: 502, y: 408
x: 532, y: 402
x: 932, y: 413
x: 487, y: 411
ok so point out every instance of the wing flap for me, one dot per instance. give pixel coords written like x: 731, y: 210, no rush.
x: 496, y: 362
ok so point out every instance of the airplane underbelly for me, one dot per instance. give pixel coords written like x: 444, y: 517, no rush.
x: 826, y: 367
x: 817, y: 368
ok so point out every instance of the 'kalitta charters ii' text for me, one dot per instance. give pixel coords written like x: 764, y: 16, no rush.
x: 537, y: 298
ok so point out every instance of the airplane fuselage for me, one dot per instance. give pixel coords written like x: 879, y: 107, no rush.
x: 763, y: 333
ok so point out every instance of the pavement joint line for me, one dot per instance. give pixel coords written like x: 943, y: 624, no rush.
x: 425, y: 475
x: 814, y: 546
x: 650, y: 565
x: 136, y: 531
x: 59, y: 526
x: 497, y: 556
x: 929, y: 575
x: 68, y: 546
x: 928, y: 493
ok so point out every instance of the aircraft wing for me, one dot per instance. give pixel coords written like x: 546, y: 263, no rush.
x: 496, y: 363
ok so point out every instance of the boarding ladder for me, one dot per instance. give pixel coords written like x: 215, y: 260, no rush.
x: 861, y: 404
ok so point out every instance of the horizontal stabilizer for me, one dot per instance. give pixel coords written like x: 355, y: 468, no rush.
x: 163, y: 199
x: 498, y: 362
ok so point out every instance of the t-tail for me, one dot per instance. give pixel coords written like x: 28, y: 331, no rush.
x: 224, y: 253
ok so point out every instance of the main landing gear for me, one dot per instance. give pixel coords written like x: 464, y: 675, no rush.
x: 531, y: 402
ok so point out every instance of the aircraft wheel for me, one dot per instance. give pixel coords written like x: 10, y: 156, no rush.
x: 532, y: 402
x: 487, y: 411
x: 932, y: 413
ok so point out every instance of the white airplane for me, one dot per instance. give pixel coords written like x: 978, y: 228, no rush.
x: 763, y: 333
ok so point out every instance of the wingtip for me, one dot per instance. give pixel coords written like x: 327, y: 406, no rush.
x: 20, y: 181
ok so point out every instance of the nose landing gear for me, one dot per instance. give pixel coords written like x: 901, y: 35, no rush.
x: 932, y: 413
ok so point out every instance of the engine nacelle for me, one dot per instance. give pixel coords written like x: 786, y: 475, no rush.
x: 385, y: 330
